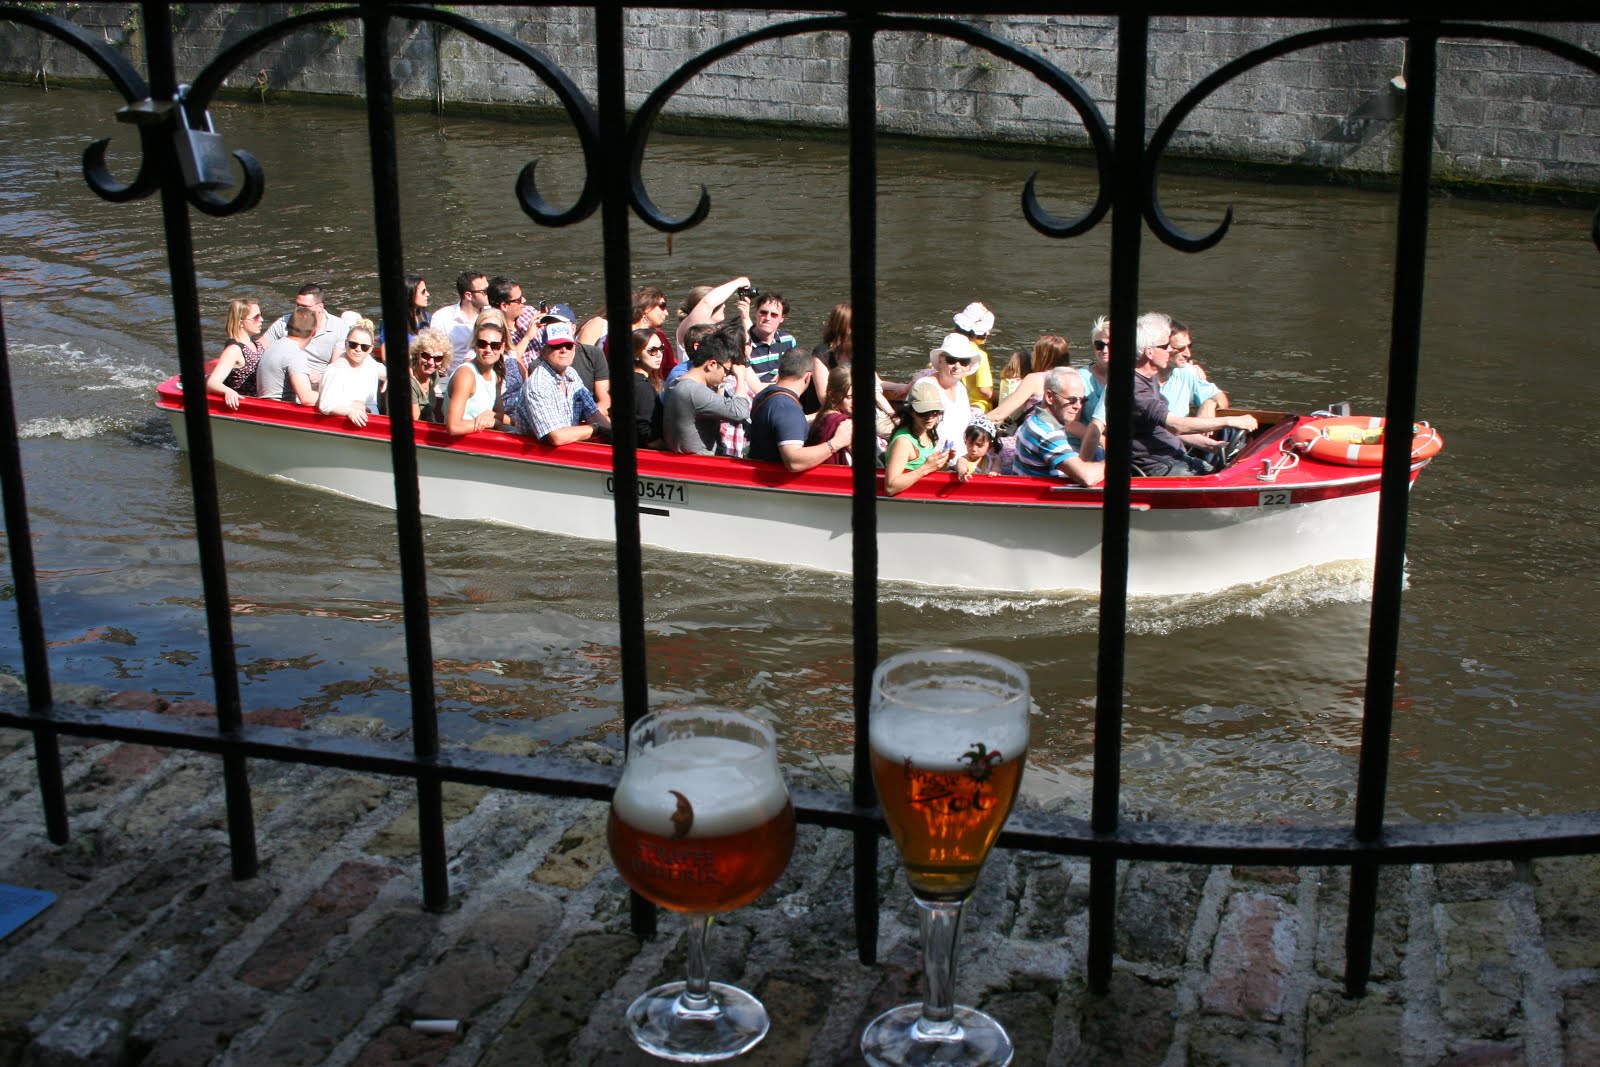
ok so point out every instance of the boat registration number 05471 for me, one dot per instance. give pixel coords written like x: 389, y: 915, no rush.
x: 1273, y: 498
x: 652, y: 490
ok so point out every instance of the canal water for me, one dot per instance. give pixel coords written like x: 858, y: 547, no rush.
x: 1242, y: 706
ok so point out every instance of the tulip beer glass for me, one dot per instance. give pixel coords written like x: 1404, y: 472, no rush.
x: 700, y: 824
x: 948, y: 733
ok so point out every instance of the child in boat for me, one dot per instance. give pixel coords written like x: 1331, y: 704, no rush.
x: 981, y: 456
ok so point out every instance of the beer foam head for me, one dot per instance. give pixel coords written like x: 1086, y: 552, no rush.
x: 936, y: 723
x: 728, y: 785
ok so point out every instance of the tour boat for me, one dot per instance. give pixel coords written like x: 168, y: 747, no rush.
x: 1277, y: 507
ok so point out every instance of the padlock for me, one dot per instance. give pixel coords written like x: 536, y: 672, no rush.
x: 202, y: 154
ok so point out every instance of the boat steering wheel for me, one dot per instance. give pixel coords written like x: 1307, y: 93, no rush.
x: 1233, y: 443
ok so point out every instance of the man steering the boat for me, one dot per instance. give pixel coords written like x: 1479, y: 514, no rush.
x: 1157, y: 452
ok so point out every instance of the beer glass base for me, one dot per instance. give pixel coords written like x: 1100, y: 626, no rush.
x: 665, y: 1024
x: 895, y: 1039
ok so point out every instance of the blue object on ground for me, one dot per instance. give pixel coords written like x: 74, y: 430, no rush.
x: 18, y: 905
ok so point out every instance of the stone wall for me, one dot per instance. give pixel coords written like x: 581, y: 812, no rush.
x: 1506, y: 113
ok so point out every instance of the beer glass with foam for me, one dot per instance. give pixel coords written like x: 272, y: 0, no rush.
x: 700, y: 824
x: 948, y: 734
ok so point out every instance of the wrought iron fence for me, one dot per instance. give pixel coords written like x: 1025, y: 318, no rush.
x: 187, y: 164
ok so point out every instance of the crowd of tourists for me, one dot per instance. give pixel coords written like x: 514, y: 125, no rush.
x: 728, y: 379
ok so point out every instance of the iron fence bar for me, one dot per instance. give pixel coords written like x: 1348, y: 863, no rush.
x: 1127, y: 218
x: 615, y: 209
x: 1510, y: 838
x: 861, y: 102
x: 1405, y: 341
x: 402, y: 451
x: 160, y: 140
x: 30, y: 615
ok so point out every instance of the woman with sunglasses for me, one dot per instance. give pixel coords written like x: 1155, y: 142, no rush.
x: 235, y: 371
x: 353, y: 381
x: 952, y: 362
x: 648, y: 352
x: 430, y: 354
x: 915, y: 450
x: 475, y: 386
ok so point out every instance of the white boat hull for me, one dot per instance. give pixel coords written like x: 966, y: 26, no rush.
x: 984, y: 544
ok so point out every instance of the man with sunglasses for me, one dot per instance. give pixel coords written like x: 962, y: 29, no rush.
x: 327, y: 335
x: 555, y: 407
x: 455, y: 320
x: 1157, y: 451
x: 768, y: 343
x: 1044, y: 447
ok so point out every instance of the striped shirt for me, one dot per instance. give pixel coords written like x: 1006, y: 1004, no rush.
x: 1043, y: 445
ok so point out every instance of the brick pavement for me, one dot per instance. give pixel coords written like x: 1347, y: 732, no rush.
x: 153, y: 956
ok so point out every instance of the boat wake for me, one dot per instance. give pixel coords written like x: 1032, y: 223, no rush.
x: 79, y: 428
x: 1291, y: 594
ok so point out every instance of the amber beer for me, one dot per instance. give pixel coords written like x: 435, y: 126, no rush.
x: 697, y: 827
x: 945, y: 816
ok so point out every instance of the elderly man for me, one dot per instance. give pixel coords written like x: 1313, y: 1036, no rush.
x: 694, y: 406
x: 1157, y: 451
x: 555, y: 406
x: 455, y: 320
x: 1044, y: 447
x: 327, y: 335
x: 284, y: 372
x: 778, y: 426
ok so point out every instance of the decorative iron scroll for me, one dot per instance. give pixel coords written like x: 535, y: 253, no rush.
x: 1170, y: 234
x: 1094, y: 122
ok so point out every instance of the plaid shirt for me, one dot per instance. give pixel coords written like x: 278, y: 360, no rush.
x: 547, y: 406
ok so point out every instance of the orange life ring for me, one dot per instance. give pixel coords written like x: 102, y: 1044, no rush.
x: 1357, y: 441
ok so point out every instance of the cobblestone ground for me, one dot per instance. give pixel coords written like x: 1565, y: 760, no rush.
x: 152, y: 955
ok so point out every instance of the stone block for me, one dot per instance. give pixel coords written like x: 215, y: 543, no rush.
x: 1156, y: 910
x: 150, y: 889
x: 1046, y: 908
x: 400, y: 1046
x: 1473, y: 881
x: 1515, y: 144
x: 1580, y: 1023
x: 580, y: 854
x: 1223, y: 1043
x: 343, y: 992
x: 1026, y: 1008
x: 1479, y: 985
x: 1252, y: 957
x: 486, y: 958
x: 1486, y: 1054
x: 1578, y: 148
x: 400, y: 839
x: 1343, y: 1030
x: 560, y: 1004
x: 325, y: 915
x: 1567, y: 896
x: 158, y: 813
x: 1131, y: 1025
x: 201, y: 1032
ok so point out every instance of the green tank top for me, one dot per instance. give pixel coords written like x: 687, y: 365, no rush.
x: 923, y: 451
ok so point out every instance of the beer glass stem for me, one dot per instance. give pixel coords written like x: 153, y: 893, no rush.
x: 941, y: 926
x: 697, y: 982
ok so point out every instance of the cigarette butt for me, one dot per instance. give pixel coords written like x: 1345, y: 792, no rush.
x: 436, y: 1026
